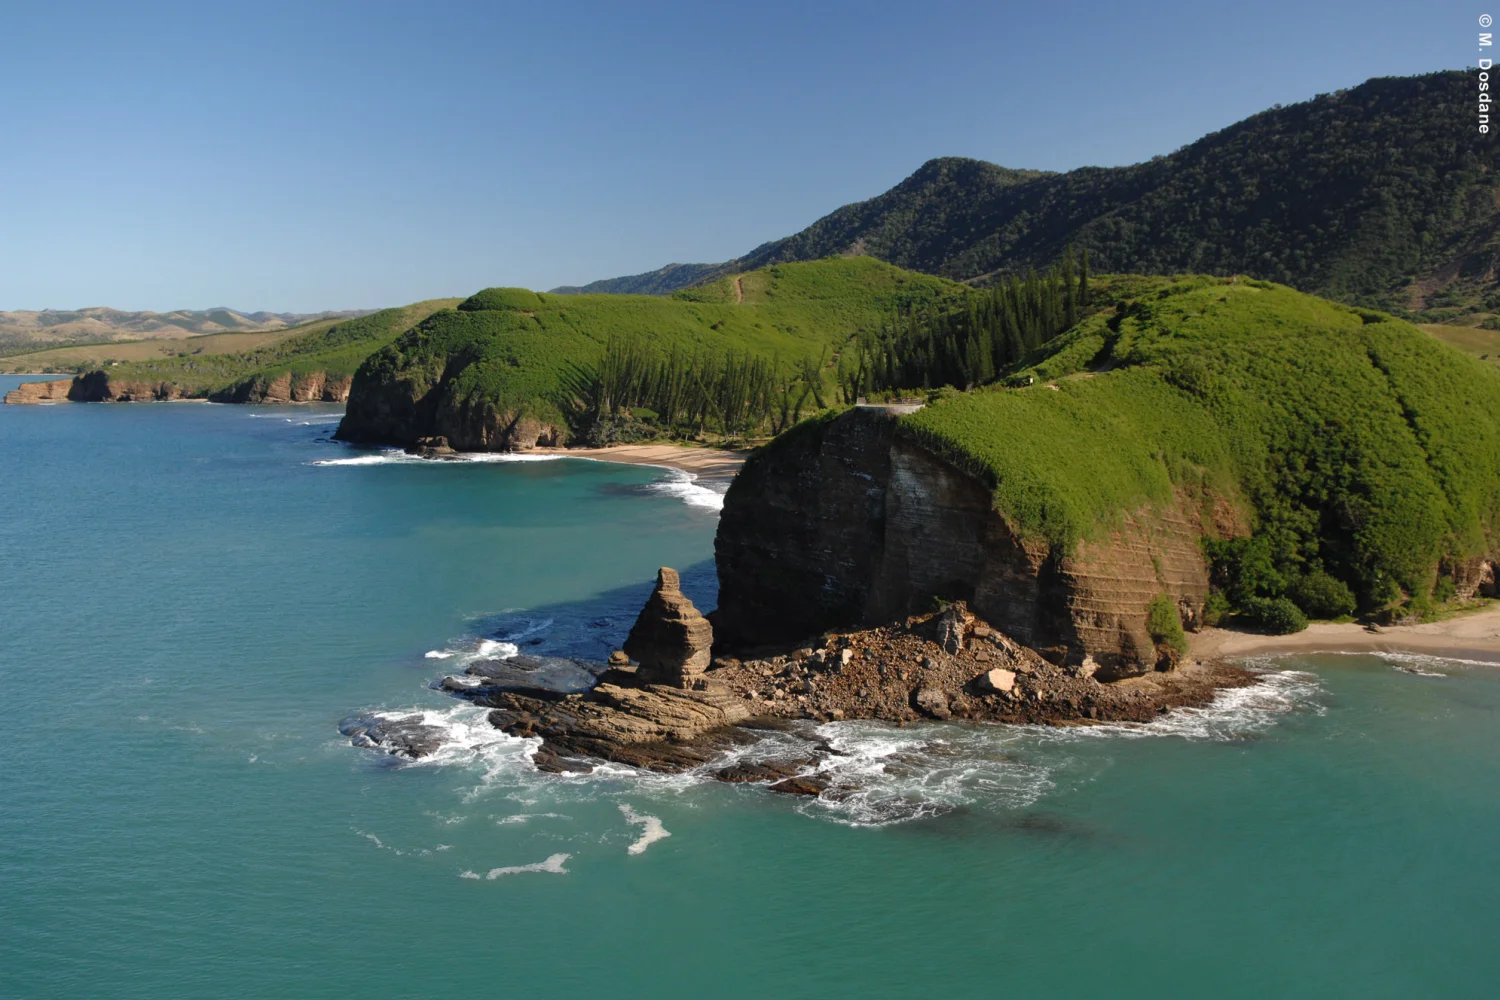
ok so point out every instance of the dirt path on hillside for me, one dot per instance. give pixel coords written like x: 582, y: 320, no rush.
x: 739, y: 291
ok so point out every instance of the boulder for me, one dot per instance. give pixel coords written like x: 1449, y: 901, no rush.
x: 932, y: 701
x: 670, y: 640
x: 996, y: 681
x: 431, y: 447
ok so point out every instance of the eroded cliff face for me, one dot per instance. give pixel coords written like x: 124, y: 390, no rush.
x: 845, y: 523
x: 289, y: 387
x: 53, y: 391
x: 101, y: 387
x: 402, y: 410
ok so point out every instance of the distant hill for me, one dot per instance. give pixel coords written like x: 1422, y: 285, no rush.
x: 314, y: 361
x: 1382, y: 195
x: 34, y: 330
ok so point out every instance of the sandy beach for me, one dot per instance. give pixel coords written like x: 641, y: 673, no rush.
x: 1475, y: 635
x: 710, y: 463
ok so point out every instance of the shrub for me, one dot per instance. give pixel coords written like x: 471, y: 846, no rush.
x: 1164, y: 623
x: 1215, y: 608
x: 1445, y: 590
x: 1277, y: 615
x: 1323, y: 595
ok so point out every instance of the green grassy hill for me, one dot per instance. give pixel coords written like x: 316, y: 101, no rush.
x: 334, y: 348
x: 499, y: 371
x: 1379, y: 195
x: 1352, y: 442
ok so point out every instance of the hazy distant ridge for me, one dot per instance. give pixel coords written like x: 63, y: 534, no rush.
x: 22, y: 328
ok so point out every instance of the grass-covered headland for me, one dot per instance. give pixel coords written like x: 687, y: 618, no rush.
x: 739, y: 357
x: 1363, y: 454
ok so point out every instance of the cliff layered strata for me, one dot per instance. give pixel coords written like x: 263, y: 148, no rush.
x: 845, y: 523
x: 671, y: 641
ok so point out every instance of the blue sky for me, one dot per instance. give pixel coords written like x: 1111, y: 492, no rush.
x: 340, y: 155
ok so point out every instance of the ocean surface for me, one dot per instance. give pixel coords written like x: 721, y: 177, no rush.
x: 195, y: 596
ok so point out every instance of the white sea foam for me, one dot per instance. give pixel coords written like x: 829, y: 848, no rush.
x: 882, y: 774
x: 524, y: 817
x: 473, y: 652
x: 1234, y: 713
x: 467, y: 737
x: 651, y: 829
x: 685, y: 487
x: 397, y: 457
x: 1421, y: 664
x: 553, y: 865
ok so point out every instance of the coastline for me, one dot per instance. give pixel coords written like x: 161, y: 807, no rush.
x: 710, y: 463
x: 1473, y: 635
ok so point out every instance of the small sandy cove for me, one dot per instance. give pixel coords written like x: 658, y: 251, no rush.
x: 1473, y: 635
x: 710, y: 463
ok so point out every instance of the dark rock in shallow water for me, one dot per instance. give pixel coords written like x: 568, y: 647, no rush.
x: 537, y: 676
x: 401, y: 736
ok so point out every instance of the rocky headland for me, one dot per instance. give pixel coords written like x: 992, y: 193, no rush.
x: 665, y: 703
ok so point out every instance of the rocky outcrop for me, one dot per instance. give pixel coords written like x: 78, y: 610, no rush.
x: 399, y: 736
x: 904, y: 672
x: 671, y: 641
x: 403, y: 409
x: 54, y: 391
x: 625, y: 720
x: 846, y: 523
x: 94, y: 387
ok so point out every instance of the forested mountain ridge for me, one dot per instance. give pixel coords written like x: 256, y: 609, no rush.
x: 1381, y: 195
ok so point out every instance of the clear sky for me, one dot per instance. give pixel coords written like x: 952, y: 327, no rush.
x: 313, y: 155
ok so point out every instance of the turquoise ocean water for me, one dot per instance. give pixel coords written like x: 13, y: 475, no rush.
x: 191, y: 604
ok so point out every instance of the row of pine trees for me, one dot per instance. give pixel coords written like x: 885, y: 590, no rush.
x: 730, y: 393
x: 736, y: 394
x: 928, y: 347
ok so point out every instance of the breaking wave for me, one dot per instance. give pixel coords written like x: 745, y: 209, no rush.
x: 473, y: 652
x: 395, y: 456
x: 684, y: 486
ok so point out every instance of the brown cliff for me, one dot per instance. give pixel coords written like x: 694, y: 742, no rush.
x: 843, y: 523
x: 101, y: 387
x: 53, y: 391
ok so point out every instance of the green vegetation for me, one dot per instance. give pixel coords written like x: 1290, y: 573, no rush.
x: 1165, y: 624
x: 1322, y: 595
x: 722, y: 358
x: 1376, y: 195
x: 686, y: 394
x: 967, y: 343
x: 1277, y: 615
x: 1353, y: 444
x: 336, y: 347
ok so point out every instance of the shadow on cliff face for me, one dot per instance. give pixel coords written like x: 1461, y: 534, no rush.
x: 590, y: 629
